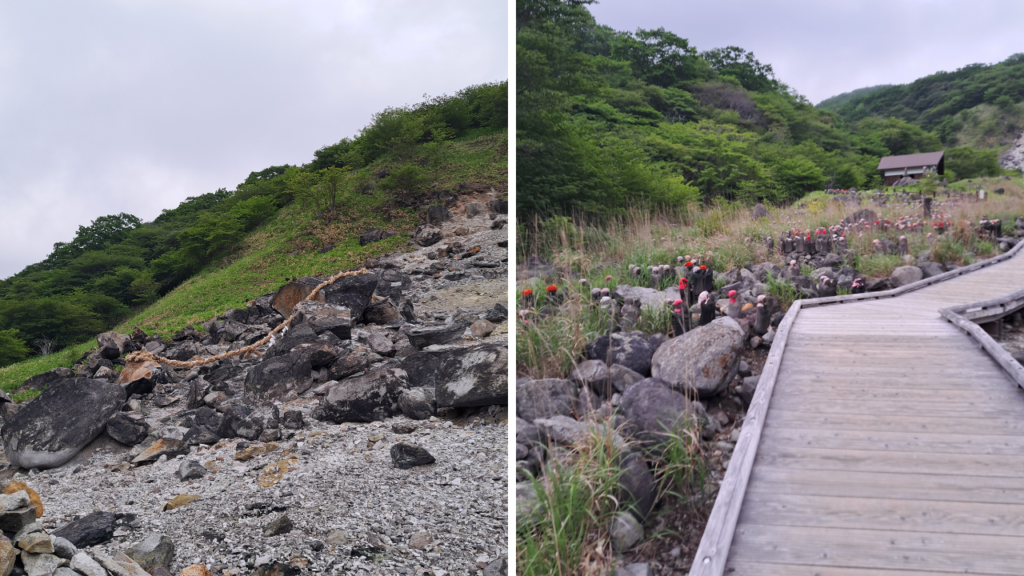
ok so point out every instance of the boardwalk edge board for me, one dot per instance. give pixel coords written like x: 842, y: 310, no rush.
x: 713, y: 551
x: 965, y: 317
x: 714, y: 544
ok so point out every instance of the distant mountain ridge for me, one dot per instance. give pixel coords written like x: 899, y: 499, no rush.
x: 831, y: 103
x: 936, y: 102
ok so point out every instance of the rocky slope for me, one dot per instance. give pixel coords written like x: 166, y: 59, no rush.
x: 370, y: 437
x: 1013, y: 159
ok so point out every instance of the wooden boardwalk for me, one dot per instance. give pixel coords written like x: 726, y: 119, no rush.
x: 883, y: 440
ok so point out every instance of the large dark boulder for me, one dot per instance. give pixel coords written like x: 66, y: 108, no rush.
x: 127, y: 430
x: 283, y: 344
x: 350, y: 361
x: 373, y: 235
x: 323, y: 317
x: 422, y: 366
x: 631, y: 350
x: 545, y: 398
x: 51, y: 429
x: 112, y: 345
x: 274, y: 377
x: 436, y: 214
x: 866, y: 214
x: 240, y: 421
x: 422, y: 337
x: 474, y: 376
x: 427, y: 236
x: 93, y: 528
x: 652, y: 410
x: 703, y: 360
x: 352, y: 292
x: 42, y: 381
x: 368, y: 398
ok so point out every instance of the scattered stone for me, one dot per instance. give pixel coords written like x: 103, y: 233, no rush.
x: 904, y: 275
x: 196, y: 570
x: 82, y: 562
x: 430, y: 335
x: 190, y: 470
x: 180, y: 501
x: 40, y: 564
x: 374, y: 235
x: 155, y: 550
x: 292, y: 419
x: 281, y: 525
x: 592, y: 373
x: 406, y: 456
x: 625, y: 532
x: 8, y: 555
x: 15, y: 486
x: 545, y: 398
x: 36, y: 543
x: 63, y: 549
x: 168, y: 447
x: 481, y: 328
x: 420, y: 540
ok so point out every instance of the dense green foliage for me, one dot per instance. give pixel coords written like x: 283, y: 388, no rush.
x: 831, y: 103
x: 607, y: 119
x: 942, y: 101
x: 118, y: 264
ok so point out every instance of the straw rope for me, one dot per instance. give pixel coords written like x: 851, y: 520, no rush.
x: 146, y: 355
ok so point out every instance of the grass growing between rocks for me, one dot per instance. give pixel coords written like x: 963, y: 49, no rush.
x: 579, y: 495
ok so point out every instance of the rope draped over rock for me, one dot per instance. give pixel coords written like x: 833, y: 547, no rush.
x: 146, y: 355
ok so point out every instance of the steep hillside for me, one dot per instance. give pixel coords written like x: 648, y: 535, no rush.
x: 117, y: 267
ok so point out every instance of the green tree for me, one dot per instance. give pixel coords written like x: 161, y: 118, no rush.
x: 741, y: 65
x: 12, y: 348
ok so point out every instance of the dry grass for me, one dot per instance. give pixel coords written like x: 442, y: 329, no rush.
x: 725, y: 237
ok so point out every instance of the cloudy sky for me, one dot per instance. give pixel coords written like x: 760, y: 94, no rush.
x: 824, y: 48
x: 112, y: 106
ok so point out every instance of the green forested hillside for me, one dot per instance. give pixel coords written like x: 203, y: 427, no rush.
x: 937, y: 102
x: 608, y: 119
x: 117, y: 267
x: 831, y: 103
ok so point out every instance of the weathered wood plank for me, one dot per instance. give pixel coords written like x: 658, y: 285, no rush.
x: 788, y: 435
x: 913, y: 486
x: 896, y: 407
x: 738, y: 568
x: 841, y: 461
x: 890, y: 513
x: 907, y: 423
x: 880, y: 549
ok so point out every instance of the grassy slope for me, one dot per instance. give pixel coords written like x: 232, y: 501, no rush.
x: 289, y: 245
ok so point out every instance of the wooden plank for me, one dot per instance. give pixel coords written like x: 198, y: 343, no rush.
x: 787, y: 435
x: 854, y: 391
x: 740, y: 568
x: 883, y: 514
x: 911, y: 486
x: 842, y: 461
x: 991, y: 380
x: 907, y: 423
x: 880, y: 549
x: 713, y: 550
x: 895, y: 407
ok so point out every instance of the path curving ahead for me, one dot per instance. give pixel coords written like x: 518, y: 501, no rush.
x: 883, y: 440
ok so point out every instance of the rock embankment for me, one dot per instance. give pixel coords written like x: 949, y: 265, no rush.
x: 1013, y: 159
x: 369, y: 437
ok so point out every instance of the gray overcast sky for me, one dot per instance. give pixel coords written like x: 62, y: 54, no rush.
x: 826, y: 47
x: 115, y: 106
